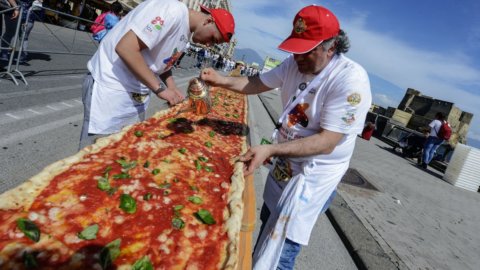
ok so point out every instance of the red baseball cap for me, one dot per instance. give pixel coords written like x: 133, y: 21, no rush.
x: 224, y: 21
x: 311, y: 26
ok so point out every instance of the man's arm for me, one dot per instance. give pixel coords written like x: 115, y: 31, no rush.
x: 129, y: 50
x: 15, y: 13
x: 323, y: 143
x: 244, y: 85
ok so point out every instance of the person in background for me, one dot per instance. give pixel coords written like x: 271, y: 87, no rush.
x: 368, y: 131
x: 136, y: 57
x: 433, y: 141
x: 326, y: 97
x: 106, y: 21
x: 37, y: 13
x: 9, y: 19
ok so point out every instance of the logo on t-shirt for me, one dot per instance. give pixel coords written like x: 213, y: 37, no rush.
x: 172, y: 59
x: 155, y: 24
x: 302, y: 86
x: 354, y: 99
x: 298, y: 116
x: 349, y: 117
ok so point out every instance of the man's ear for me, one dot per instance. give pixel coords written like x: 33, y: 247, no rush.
x: 209, y: 20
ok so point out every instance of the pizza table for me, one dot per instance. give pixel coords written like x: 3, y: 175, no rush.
x: 167, y: 192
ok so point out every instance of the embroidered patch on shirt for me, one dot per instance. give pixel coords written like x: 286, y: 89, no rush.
x: 349, y: 117
x: 155, y: 25
x: 297, y: 115
x: 354, y: 99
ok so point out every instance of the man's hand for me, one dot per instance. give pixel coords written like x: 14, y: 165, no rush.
x: 15, y: 14
x: 172, y: 95
x: 255, y: 157
x: 211, y: 77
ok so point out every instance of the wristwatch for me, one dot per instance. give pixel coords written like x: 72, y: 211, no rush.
x: 161, y: 88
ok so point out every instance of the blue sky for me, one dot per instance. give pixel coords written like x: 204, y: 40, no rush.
x: 431, y: 46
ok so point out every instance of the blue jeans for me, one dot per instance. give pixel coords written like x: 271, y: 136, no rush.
x: 290, y: 249
x: 431, y: 146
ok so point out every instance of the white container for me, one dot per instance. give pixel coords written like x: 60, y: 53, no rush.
x: 463, y: 170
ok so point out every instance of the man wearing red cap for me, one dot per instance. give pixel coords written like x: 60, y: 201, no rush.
x: 325, y: 97
x: 136, y: 58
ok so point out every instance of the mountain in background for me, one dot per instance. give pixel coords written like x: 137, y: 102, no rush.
x: 248, y: 56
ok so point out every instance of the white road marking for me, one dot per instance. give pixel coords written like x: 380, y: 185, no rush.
x: 53, y: 108
x: 13, y: 116
x: 66, y: 104
x: 33, y: 111
x: 78, y: 101
x: 30, y: 132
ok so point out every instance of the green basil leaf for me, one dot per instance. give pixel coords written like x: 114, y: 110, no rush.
x: 29, y: 260
x: 122, y: 175
x: 146, y: 164
x: 235, y: 115
x: 138, y: 133
x: 103, y: 184
x: 194, y: 188
x: 178, y: 223
x: 108, y: 169
x: 165, y: 185
x: 208, y: 169
x: 182, y: 150
x: 211, y: 133
x: 172, y: 120
x: 147, y: 196
x: 109, y: 253
x: 128, y: 203
x: 89, y: 232
x: 126, y: 165
x: 195, y: 199
x: 203, y: 159
x: 176, y: 180
x: 155, y: 171
x: 208, y: 144
x: 167, y: 161
x: 143, y: 264
x: 166, y: 192
x: 205, y: 216
x: 29, y: 228
x: 198, y: 165
x: 178, y: 207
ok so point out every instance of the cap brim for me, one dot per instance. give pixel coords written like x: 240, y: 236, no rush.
x: 298, y: 45
x: 204, y: 8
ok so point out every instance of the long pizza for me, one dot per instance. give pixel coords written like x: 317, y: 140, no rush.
x: 165, y: 193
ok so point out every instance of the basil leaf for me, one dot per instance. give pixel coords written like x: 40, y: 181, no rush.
x: 146, y: 164
x: 176, y: 180
x: 103, y: 184
x: 147, y: 196
x: 235, y: 115
x: 122, y: 175
x: 182, y: 150
x: 178, y: 223
x: 155, y: 171
x: 126, y: 165
x: 198, y: 165
x: 208, y: 144
x: 172, y: 120
x: 195, y: 199
x: 109, y: 168
x: 208, y: 169
x: 142, y: 264
x: 138, y: 133
x: 166, y: 192
x: 128, y: 203
x: 211, y: 133
x: 29, y: 260
x: 178, y: 207
x: 89, y: 232
x: 165, y: 185
x: 205, y: 216
x: 194, y: 188
x: 109, y: 253
x: 203, y: 159
x: 29, y: 228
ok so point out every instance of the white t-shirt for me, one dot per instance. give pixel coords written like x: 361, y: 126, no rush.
x: 162, y: 25
x: 340, y: 104
x: 435, y: 126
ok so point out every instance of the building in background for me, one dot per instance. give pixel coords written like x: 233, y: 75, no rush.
x: 270, y: 63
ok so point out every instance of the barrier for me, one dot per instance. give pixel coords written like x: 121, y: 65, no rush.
x: 17, y: 50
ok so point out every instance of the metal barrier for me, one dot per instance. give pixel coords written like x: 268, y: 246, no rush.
x: 13, y: 48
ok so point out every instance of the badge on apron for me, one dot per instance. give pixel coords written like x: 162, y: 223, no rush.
x: 281, y: 170
x: 140, y: 98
